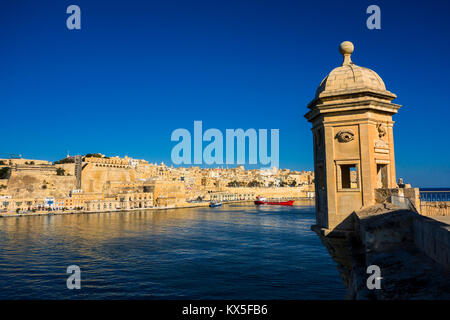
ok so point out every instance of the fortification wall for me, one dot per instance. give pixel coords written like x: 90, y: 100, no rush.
x: 96, y: 178
x: 69, y: 168
x: 38, y: 184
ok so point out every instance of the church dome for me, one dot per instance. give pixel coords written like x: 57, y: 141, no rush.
x: 349, y: 77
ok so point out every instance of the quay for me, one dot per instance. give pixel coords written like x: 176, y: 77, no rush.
x: 58, y: 212
x: 298, y: 201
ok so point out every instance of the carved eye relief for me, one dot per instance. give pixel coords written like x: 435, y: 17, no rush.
x: 345, y: 135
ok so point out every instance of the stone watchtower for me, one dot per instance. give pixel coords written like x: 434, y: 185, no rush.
x: 351, y: 116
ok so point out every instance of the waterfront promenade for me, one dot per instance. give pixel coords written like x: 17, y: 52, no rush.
x: 298, y: 202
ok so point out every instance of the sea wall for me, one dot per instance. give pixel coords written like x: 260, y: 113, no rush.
x: 432, y: 236
x: 412, y: 252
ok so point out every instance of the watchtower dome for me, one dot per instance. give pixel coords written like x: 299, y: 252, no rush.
x: 351, y: 116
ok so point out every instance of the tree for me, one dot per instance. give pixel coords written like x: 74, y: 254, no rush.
x: 4, y: 173
x: 60, y: 172
x: 233, y: 184
x: 65, y: 160
x: 94, y: 155
x: 254, y: 184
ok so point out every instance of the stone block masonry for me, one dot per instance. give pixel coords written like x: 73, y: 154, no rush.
x: 411, y: 250
x: 432, y: 236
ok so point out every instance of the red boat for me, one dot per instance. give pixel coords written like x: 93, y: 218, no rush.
x: 260, y: 201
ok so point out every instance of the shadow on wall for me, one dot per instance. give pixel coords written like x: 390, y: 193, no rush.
x: 398, y: 241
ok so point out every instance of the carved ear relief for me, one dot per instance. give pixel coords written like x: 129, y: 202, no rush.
x: 381, y: 130
x: 346, y: 135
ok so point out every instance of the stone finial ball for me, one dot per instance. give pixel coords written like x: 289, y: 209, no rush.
x: 346, y: 47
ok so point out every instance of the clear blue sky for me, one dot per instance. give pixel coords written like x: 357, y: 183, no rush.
x: 137, y: 70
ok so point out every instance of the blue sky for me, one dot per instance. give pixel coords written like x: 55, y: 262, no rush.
x: 137, y: 70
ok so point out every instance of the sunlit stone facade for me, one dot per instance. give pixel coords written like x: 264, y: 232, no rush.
x: 352, y: 128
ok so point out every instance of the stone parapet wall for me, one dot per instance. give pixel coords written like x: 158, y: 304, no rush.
x: 411, y: 251
x: 401, y: 197
x: 435, y: 208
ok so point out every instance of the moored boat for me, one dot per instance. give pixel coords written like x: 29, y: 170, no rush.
x: 215, y: 204
x: 261, y: 201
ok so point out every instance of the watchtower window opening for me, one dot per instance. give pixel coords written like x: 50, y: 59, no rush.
x: 349, y: 176
x: 382, y: 176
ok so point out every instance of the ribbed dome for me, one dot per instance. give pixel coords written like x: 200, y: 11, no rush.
x: 350, y: 88
x: 349, y: 77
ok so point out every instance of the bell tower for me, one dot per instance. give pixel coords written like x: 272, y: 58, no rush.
x: 352, y: 128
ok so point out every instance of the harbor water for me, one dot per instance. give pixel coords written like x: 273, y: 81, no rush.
x: 238, y: 251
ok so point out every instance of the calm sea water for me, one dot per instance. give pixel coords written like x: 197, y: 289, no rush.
x: 434, y: 194
x: 230, y: 252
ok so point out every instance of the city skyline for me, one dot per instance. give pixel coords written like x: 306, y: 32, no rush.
x: 132, y: 75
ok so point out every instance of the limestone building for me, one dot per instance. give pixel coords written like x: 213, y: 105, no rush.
x: 352, y: 128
